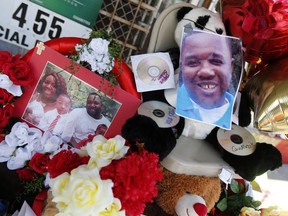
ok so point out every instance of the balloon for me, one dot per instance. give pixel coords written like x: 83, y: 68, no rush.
x: 268, y: 97
x: 261, y: 24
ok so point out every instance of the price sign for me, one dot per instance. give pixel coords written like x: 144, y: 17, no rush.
x: 82, y: 11
x: 24, y: 23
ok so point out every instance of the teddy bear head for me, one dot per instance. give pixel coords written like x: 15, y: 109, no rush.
x: 199, y: 18
x: 179, y: 193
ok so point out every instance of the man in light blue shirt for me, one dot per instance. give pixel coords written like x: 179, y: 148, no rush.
x: 205, y: 76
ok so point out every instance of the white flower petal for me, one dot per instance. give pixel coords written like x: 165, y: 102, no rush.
x: 99, y: 45
x: 50, y: 142
x: 15, y: 90
x: 6, y: 151
x: 5, y: 81
x: 103, y: 151
x: 18, y: 135
x: 18, y: 161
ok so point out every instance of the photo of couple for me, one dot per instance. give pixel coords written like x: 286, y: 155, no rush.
x: 69, y: 107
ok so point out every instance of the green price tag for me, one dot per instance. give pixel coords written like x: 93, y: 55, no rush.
x: 84, y: 12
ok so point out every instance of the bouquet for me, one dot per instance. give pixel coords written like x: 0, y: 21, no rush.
x: 98, y: 53
x: 236, y: 201
x: 100, y: 178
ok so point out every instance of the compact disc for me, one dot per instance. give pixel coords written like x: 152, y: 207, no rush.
x: 237, y: 141
x: 163, y: 114
x: 153, y: 70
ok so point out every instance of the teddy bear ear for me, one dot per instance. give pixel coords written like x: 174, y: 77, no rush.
x: 198, y: 18
x: 182, y: 12
x: 141, y: 129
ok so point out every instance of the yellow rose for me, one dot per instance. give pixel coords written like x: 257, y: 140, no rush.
x: 103, y: 151
x: 113, y: 210
x: 248, y: 211
x: 84, y: 193
x: 58, y: 186
x: 270, y: 211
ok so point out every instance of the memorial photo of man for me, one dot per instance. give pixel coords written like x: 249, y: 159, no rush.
x: 205, y: 77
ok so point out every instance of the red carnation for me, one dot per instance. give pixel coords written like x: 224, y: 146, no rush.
x: 135, y: 180
x: 26, y: 174
x: 5, y: 57
x: 18, y: 72
x: 109, y: 172
x: 39, y: 162
x: 5, y: 96
x: 65, y: 161
x: 5, y: 114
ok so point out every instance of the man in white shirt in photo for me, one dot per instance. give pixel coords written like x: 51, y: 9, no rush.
x: 85, y: 121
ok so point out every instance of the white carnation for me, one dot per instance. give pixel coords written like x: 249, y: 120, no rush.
x: 99, y: 45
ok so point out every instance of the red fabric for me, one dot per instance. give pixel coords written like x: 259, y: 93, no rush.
x: 63, y: 45
x: 38, y: 203
x: 125, y: 77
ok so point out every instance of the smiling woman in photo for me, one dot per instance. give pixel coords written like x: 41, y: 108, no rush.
x: 50, y: 86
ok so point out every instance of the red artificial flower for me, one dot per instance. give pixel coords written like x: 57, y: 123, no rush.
x: 109, y: 172
x: 18, y: 71
x: 135, y: 180
x: 39, y: 162
x: 5, y: 57
x: 65, y: 161
x: 5, y: 96
x: 26, y: 174
x: 16, y: 57
x: 5, y: 114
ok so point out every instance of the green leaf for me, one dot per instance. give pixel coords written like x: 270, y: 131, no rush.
x: 255, y: 186
x: 235, y: 186
x: 222, y: 205
x: 256, y: 204
x: 248, y: 201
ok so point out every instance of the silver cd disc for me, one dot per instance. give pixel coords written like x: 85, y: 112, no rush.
x: 163, y: 114
x: 237, y: 141
x: 153, y: 70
